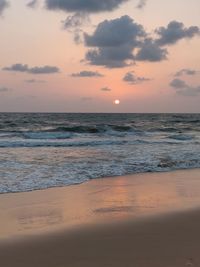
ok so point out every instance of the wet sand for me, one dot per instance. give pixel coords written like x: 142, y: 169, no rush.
x: 137, y: 220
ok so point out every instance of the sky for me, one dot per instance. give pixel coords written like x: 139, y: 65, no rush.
x: 80, y: 56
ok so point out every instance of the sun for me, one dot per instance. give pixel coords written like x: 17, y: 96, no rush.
x: 117, y: 102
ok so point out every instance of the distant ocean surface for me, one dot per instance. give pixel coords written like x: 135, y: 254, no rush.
x: 39, y: 151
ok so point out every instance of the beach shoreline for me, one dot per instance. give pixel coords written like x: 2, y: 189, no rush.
x: 136, y: 220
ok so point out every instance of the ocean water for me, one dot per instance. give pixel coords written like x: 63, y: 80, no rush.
x: 39, y: 151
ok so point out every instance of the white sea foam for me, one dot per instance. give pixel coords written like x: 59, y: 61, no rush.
x: 46, y: 150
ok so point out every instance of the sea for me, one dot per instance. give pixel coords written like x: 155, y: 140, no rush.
x: 43, y: 150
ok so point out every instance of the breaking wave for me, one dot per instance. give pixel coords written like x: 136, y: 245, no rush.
x: 46, y: 150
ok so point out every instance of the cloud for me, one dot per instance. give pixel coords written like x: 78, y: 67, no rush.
x: 106, y: 89
x: 17, y: 67
x: 111, y: 57
x: 184, y: 89
x: 75, y: 21
x: 178, y: 84
x: 4, y: 89
x: 81, y: 10
x: 121, y: 42
x: 88, y: 6
x: 78, y: 36
x: 34, y: 81
x: 3, y: 5
x: 73, y: 24
x: 151, y: 51
x: 114, y: 42
x: 174, y: 32
x: 33, y: 70
x: 32, y: 4
x: 189, y: 72
x: 141, y: 4
x: 116, y: 32
x: 44, y: 70
x: 131, y: 78
x: 86, y: 73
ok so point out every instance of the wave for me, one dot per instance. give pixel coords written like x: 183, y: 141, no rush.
x: 41, y: 143
x: 66, y: 132
x: 74, y: 148
x: 181, y: 137
x: 184, y: 120
x: 67, y: 176
x: 63, y: 132
x: 92, y: 129
x: 64, y: 142
x: 46, y: 135
x: 76, y: 129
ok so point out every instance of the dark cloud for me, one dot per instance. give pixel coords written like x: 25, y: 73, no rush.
x: 178, y: 84
x: 81, y: 10
x: 186, y: 72
x: 114, y: 42
x: 44, y: 70
x: 141, y: 4
x: 88, y: 6
x: 75, y: 21
x: 86, y: 73
x: 151, y: 51
x: 111, y: 57
x: 3, y: 5
x: 120, y: 42
x: 131, y: 78
x: 17, y: 67
x: 34, y: 81
x: 106, y: 89
x: 116, y: 32
x: 33, y: 70
x: 73, y: 24
x: 32, y: 4
x: 174, y: 32
x: 183, y: 88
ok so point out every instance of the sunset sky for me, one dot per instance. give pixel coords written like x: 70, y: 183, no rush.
x: 82, y: 55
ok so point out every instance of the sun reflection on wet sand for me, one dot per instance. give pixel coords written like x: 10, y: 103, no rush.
x: 98, y: 201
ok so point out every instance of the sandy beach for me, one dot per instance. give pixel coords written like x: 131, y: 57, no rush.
x: 137, y: 220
